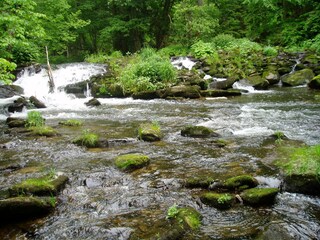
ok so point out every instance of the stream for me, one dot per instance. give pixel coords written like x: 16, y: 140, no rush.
x: 101, y: 202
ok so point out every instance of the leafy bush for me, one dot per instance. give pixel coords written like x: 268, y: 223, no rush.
x: 270, y: 51
x: 313, y: 44
x: 96, y: 58
x: 148, y: 71
x: 223, y: 41
x: 35, y: 119
x: 201, y: 49
x: 5, y: 68
x: 173, y: 50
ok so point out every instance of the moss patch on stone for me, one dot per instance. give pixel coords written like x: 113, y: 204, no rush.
x: 199, y: 182
x: 87, y: 139
x: 186, y: 217
x: 198, y: 132
x: 44, y: 186
x: 240, y: 182
x: 150, y: 132
x: 43, y: 131
x: 217, y: 200
x: 131, y: 162
x: 259, y: 196
x: 71, y: 123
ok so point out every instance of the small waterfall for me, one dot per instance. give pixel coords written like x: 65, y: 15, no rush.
x: 183, y: 62
x: 87, y: 92
x: 35, y: 83
x: 298, y: 61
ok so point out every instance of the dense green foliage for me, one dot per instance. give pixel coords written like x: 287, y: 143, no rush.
x: 79, y: 28
x: 35, y: 119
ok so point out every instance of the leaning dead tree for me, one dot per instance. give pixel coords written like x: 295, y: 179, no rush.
x: 49, y: 70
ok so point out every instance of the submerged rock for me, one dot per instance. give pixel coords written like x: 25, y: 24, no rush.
x: 240, y: 182
x: 198, y: 132
x: 217, y: 200
x: 129, y: 162
x: 150, y: 132
x: 22, y: 208
x: 93, y: 103
x: 199, y: 182
x: 259, y: 196
x: 297, y: 78
x: 44, y: 186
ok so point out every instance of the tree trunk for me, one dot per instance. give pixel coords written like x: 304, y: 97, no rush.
x: 51, y: 82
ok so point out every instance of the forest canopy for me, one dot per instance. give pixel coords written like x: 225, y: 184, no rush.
x: 76, y: 28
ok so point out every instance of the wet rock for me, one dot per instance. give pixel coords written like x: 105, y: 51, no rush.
x: 150, y: 132
x: 17, y: 105
x: 217, y: 200
x: 302, y: 183
x: 121, y: 141
x: 315, y: 83
x: 186, y: 217
x: 21, y: 208
x: 297, y: 78
x: 198, y: 132
x: 240, y: 182
x: 225, y: 84
x: 44, y: 186
x: 221, y: 93
x: 259, y: 196
x: 129, y: 162
x: 93, y: 103
x: 199, y: 182
x: 271, y: 75
x: 7, y: 91
x: 147, y: 95
x: 36, y: 102
x: 182, y: 91
x: 44, y: 131
x: 258, y: 82
x: 16, y: 122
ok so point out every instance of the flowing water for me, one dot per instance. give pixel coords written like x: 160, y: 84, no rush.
x: 101, y: 202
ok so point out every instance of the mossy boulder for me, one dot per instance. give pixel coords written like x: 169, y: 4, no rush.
x: 43, y: 186
x: 297, y: 78
x: 147, y: 95
x: 240, y: 182
x: 198, y: 132
x: 16, y: 122
x: 150, y: 132
x: 129, y: 162
x: 185, y: 217
x: 45, y: 131
x: 182, y: 91
x: 87, y: 139
x: 315, y: 83
x: 258, y: 82
x: 217, y: 200
x: 199, y: 182
x: 259, y: 196
x: 224, y: 84
x: 36, y: 102
x: 271, y: 75
x: 22, y: 208
x: 221, y: 93
x: 302, y: 183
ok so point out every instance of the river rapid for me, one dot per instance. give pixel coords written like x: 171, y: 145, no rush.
x: 101, y: 202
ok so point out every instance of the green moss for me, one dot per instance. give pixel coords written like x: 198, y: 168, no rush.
x: 34, y: 119
x: 259, y: 196
x: 196, y: 131
x: 43, y: 131
x: 150, y: 132
x: 240, y: 182
x: 199, y: 182
x: 217, y: 200
x: 131, y: 161
x: 300, y: 161
x: 87, y: 139
x: 46, y: 185
x: 71, y: 123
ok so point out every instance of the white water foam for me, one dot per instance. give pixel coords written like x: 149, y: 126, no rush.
x: 247, y: 88
x: 36, y: 84
x: 183, y: 62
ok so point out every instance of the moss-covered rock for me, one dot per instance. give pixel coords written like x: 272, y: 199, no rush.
x: 44, y: 186
x: 21, y: 208
x: 186, y: 217
x: 198, y: 132
x: 302, y: 183
x: 16, y: 122
x: 43, y: 131
x: 297, y: 78
x: 182, y: 91
x: 36, y: 102
x: 271, y: 75
x: 217, y: 200
x: 147, y: 95
x: 240, y: 182
x: 258, y: 82
x: 225, y: 84
x: 221, y: 93
x: 93, y: 103
x: 199, y: 182
x: 150, y: 132
x: 87, y: 139
x: 315, y: 83
x: 129, y: 162
x: 259, y: 196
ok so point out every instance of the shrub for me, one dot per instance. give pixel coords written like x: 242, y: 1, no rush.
x: 223, y: 41
x: 201, y: 49
x: 34, y: 119
x: 173, y: 50
x: 270, y: 51
x: 5, y: 71
x: 96, y: 58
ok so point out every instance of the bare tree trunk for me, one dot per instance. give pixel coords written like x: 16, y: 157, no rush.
x: 51, y: 82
